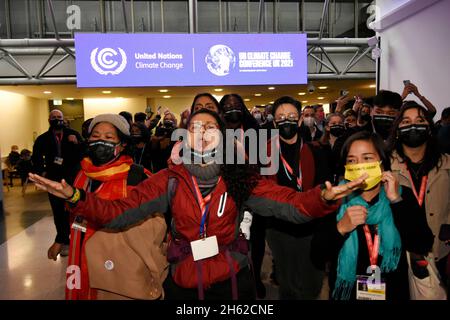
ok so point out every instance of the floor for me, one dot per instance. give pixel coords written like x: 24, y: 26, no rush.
x: 27, y: 231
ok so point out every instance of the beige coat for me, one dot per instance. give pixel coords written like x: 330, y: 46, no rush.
x: 437, y: 198
x: 131, y: 264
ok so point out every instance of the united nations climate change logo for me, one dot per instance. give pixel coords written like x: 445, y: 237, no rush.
x: 220, y: 60
x: 105, y: 61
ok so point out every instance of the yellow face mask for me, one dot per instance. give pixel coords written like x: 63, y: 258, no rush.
x: 373, y: 169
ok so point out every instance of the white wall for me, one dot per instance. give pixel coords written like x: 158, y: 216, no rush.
x: 22, y: 119
x: 417, y: 48
x: 387, y: 6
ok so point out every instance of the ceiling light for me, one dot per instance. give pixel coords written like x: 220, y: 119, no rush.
x: 271, y: 88
x: 301, y: 93
x: 373, y: 86
x: 323, y: 87
x: 167, y: 97
x: 320, y: 98
x: 70, y: 98
x: 258, y: 94
x: 106, y: 92
x: 47, y: 92
x: 271, y: 102
x: 163, y: 90
x: 305, y: 101
x: 218, y: 90
x: 247, y: 100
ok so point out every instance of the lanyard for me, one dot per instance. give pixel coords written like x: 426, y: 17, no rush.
x: 372, y: 246
x: 140, y: 158
x: 423, y: 186
x: 204, y: 206
x: 288, y: 170
x: 58, y: 138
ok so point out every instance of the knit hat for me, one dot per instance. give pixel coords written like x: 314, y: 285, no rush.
x: 116, y: 120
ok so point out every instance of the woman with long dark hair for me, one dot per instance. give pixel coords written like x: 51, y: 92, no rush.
x: 236, y: 116
x: 373, y: 228
x: 235, y: 113
x: 206, y: 201
x: 419, y: 165
x: 205, y: 100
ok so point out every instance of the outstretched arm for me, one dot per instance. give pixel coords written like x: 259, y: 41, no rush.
x: 147, y: 198
x: 271, y: 199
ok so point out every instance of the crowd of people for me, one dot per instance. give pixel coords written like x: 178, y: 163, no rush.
x: 360, y: 195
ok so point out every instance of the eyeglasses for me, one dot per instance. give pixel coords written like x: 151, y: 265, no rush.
x: 291, y: 117
x: 196, y: 127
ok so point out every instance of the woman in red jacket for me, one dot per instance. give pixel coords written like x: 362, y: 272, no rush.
x: 109, y: 173
x: 207, y: 252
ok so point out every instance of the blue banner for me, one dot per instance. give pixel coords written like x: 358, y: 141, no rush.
x: 137, y: 60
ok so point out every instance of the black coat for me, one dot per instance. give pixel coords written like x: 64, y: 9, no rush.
x: 415, y: 235
x: 45, y: 151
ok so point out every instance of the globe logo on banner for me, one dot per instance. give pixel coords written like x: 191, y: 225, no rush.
x: 104, y: 61
x: 220, y: 60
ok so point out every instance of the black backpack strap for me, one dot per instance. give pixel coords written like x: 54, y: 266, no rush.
x: 136, y: 175
x: 172, y: 185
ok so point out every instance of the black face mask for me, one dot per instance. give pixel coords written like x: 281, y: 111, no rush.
x: 337, y: 130
x: 164, y: 131
x: 233, y: 115
x: 169, y: 124
x: 56, y: 124
x: 288, y: 129
x: 365, y: 116
x: 383, y: 125
x: 414, y: 135
x: 102, y: 152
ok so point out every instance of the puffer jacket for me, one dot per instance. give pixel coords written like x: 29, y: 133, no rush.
x: 151, y: 196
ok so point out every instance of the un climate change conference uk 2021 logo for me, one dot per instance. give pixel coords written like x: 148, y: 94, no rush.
x: 105, y: 61
x: 220, y: 60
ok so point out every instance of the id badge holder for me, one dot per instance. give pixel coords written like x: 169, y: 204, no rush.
x: 370, y: 288
x: 79, y: 224
x: 204, y: 248
x: 58, y: 161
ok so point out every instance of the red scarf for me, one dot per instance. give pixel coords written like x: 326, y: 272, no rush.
x: 114, y: 186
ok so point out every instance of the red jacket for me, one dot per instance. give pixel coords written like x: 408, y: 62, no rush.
x: 151, y: 196
x: 306, y: 164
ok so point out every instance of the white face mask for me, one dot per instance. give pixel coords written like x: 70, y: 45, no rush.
x: 269, y: 118
x: 309, y: 121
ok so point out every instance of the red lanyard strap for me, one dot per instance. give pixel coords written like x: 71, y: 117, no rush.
x: 420, y: 197
x: 58, y: 138
x: 372, y: 246
x: 288, y: 169
x: 204, y: 206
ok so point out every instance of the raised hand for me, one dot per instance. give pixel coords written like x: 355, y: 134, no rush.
x: 331, y: 193
x: 59, y: 189
x: 390, y: 186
